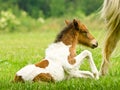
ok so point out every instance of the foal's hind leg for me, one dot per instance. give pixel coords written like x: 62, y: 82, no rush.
x: 110, y: 45
x: 79, y: 59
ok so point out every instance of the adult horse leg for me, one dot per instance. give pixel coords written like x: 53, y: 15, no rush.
x: 109, y: 47
x: 111, y: 14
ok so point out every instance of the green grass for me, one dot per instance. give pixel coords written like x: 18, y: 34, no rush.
x: 20, y: 49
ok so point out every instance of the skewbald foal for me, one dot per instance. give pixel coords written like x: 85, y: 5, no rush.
x: 61, y: 61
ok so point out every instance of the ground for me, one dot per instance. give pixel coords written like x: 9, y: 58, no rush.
x: 20, y: 49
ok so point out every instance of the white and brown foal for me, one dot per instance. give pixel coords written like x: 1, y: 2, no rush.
x: 61, y: 61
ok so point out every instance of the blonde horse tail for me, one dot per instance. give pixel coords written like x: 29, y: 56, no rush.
x: 111, y: 14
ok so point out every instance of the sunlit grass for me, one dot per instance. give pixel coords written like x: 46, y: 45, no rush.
x: 20, y: 49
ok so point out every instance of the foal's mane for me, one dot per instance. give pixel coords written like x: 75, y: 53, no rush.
x: 64, y: 31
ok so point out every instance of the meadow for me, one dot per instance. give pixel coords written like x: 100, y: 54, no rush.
x: 19, y: 49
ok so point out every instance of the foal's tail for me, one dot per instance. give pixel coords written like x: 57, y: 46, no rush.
x: 111, y: 14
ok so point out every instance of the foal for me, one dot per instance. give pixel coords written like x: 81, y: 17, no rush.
x: 60, y: 60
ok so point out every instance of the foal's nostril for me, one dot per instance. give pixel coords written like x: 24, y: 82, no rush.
x: 95, y: 45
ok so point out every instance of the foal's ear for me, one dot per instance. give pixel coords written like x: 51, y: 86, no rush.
x: 67, y: 22
x: 75, y: 22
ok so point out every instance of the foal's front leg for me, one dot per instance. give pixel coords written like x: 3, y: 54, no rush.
x: 79, y: 59
x: 80, y: 74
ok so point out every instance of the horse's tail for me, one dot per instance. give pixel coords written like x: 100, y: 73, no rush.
x: 111, y: 14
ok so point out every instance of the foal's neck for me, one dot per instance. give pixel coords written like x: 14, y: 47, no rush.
x: 69, y: 37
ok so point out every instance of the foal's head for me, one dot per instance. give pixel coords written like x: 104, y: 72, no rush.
x: 76, y: 32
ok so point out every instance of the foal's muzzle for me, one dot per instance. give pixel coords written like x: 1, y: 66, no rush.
x: 94, y: 43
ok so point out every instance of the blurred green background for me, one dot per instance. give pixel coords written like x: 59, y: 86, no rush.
x: 31, y: 15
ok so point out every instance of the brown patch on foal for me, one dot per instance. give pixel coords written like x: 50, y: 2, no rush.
x: 18, y: 79
x: 72, y: 51
x: 42, y: 64
x: 46, y: 77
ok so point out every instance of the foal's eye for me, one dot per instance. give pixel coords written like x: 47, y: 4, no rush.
x: 84, y: 33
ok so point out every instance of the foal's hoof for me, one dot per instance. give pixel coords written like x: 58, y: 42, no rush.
x: 96, y: 76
